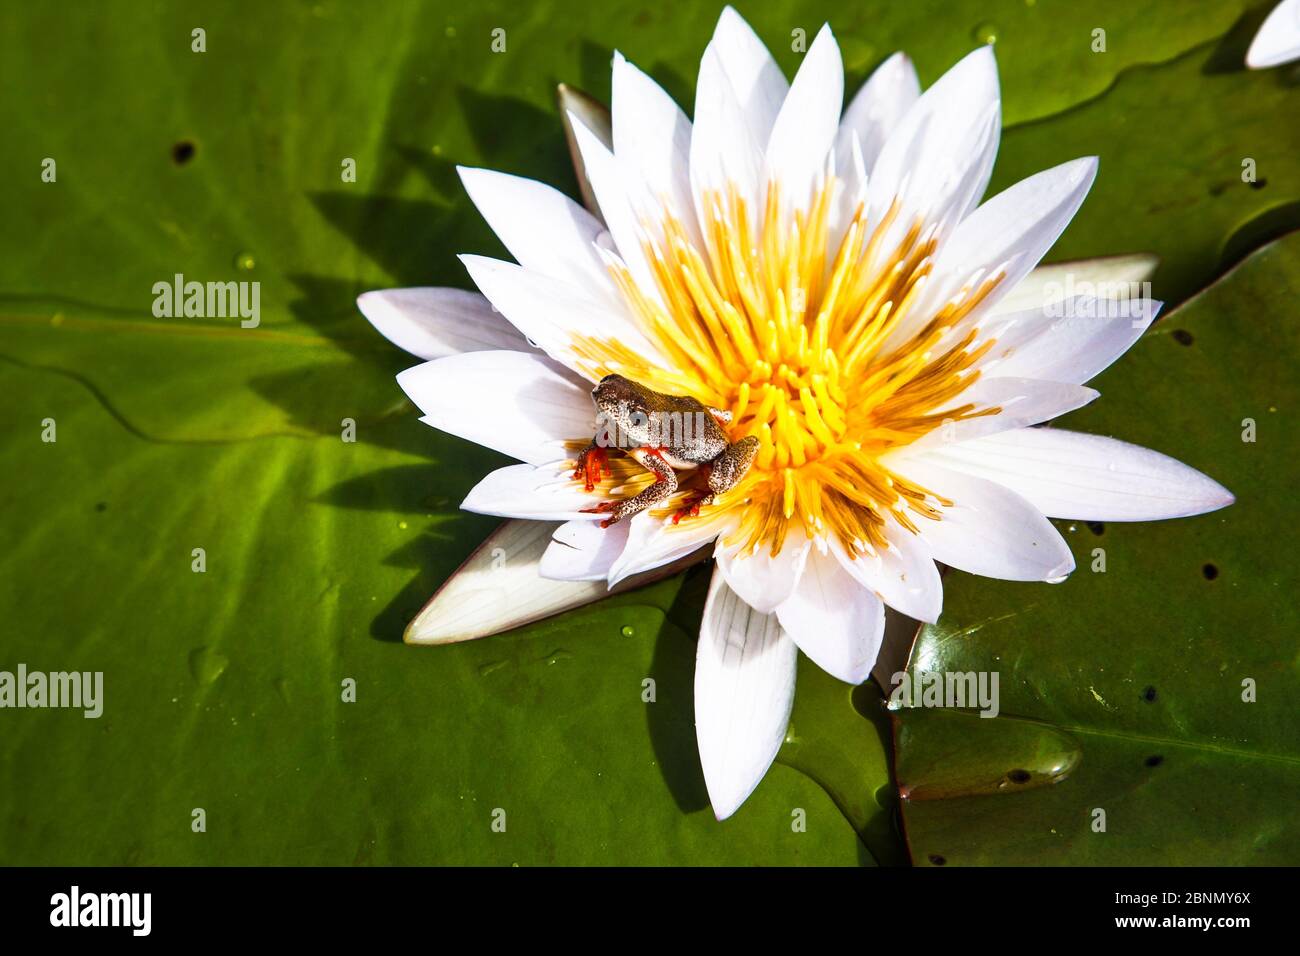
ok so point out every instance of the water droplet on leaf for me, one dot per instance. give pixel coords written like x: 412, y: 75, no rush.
x: 986, y: 32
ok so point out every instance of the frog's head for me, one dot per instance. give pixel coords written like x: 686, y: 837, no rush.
x: 622, y: 409
x: 615, y: 396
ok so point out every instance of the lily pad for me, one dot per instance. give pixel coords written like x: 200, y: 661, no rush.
x: 1169, y: 657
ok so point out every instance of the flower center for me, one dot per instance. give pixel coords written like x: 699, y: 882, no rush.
x: 809, y: 333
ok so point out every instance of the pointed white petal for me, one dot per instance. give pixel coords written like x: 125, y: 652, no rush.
x: 552, y: 313
x: 595, y: 116
x: 499, y: 588
x: 760, y: 86
x: 1022, y: 402
x: 1012, y: 231
x: 584, y: 551
x: 433, y: 323
x: 524, y: 406
x: 1069, y: 341
x: 806, y: 126
x: 876, y: 110
x: 903, y: 575
x: 1278, y: 40
x: 724, y: 151
x: 938, y: 160
x: 1106, y: 277
x: 764, y: 580
x: 833, y: 619
x: 545, y: 230
x: 653, y: 541
x: 616, y: 192
x: 989, y: 530
x: 652, y: 143
x: 744, y: 689
x: 545, y: 493
x: 1068, y: 474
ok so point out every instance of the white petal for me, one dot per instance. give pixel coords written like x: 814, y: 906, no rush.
x: 758, y: 83
x: 545, y: 230
x: 433, y: 323
x: 904, y: 575
x: 499, y: 588
x: 594, y: 115
x: 1069, y: 341
x: 834, y: 620
x: 876, y: 110
x: 652, y: 143
x: 1022, y: 402
x: 524, y: 406
x: 724, y: 151
x: 616, y: 192
x: 1067, y: 474
x: 989, y: 530
x: 764, y: 580
x: 1106, y: 277
x: 545, y: 493
x: 806, y: 126
x: 1012, y: 231
x: 552, y: 313
x: 937, y: 162
x: 1278, y: 40
x: 653, y: 541
x: 584, y: 551
x: 744, y: 689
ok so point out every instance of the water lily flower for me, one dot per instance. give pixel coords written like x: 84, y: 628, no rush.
x: 830, y: 278
x: 1278, y: 39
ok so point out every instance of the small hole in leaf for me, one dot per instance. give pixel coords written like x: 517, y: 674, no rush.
x: 1258, y: 183
x: 1019, y: 776
x: 1155, y: 760
x: 937, y: 860
x: 1096, y: 527
x: 1149, y: 695
x: 1182, y: 337
x: 1210, y: 572
x: 182, y: 152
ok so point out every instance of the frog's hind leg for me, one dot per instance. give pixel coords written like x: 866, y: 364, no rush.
x: 721, y: 475
x: 665, y: 484
x: 732, y: 465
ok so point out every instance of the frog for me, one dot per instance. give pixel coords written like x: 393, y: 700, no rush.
x: 664, y: 434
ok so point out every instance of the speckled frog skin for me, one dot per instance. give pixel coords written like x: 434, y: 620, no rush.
x: 662, y: 433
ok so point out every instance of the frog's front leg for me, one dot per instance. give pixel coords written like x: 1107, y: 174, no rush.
x: 592, y: 465
x: 722, y: 474
x: 665, y: 484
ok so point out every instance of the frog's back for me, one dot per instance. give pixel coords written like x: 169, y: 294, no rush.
x: 689, y: 432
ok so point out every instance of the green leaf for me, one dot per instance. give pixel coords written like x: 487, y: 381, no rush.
x: 1143, y: 667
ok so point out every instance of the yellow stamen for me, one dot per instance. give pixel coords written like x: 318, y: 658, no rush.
x: 821, y: 353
